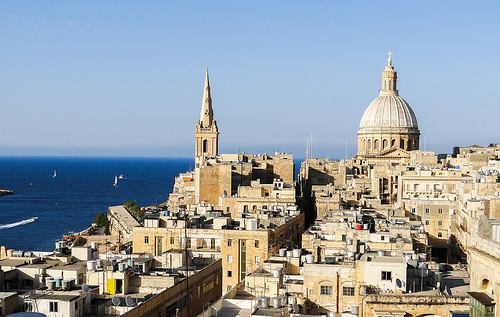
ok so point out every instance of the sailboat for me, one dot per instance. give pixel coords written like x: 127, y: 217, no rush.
x: 116, y: 181
x: 55, y: 174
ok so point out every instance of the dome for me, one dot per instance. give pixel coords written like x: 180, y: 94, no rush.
x: 387, y: 112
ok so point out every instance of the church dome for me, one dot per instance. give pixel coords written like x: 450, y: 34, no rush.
x: 389, y: 122
x: 388, y: 111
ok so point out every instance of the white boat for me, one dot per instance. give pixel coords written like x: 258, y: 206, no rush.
x: 116, y: 181
x: 121, y: 176
x: 55, y: 174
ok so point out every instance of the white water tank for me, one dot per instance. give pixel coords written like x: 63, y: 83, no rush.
x: 51, y: 284
x: 93, y: 245
x: 355, y: 309
x: 350, y: 254
x: 91, y: 265
x: 297, y: 253
x: 276, y: 272
x: 310, y: 258
x: 380, y: 252
x: 282, y: 252
x: 264, y: 302
x: 276, y: 302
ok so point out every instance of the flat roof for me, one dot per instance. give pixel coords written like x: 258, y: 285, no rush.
x: 7, y: 294
x: 61, y: 297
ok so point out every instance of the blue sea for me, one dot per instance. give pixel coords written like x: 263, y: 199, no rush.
x: 82, y: 188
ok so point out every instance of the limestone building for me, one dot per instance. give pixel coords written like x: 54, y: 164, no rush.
x: 389, y: 126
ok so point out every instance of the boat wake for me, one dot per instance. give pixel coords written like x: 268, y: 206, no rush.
x: 19, y: 223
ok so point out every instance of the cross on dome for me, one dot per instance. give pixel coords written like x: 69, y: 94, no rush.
x: 390, y: 58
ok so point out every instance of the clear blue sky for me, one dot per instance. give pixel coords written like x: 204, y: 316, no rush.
x: 125, y: 78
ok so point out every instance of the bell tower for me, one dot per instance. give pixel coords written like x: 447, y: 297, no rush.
x: 206, y: 132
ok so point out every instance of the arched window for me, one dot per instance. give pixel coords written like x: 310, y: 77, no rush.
x: 384, y: 143
x: 369, y: 144
x: 402, y: 144
x: 375, y: 145
x: 205, y: 146
x: 393, y: 142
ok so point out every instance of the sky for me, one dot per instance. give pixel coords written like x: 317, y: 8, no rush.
x: 125, y: 78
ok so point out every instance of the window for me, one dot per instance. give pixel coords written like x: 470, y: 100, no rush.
x: 188, y: 243
x: 53, y: 307
x: 257, y: 260
x: 228, y: 242
x: 408, y: 187
x: 229, y: 258
x: 440, y: 210
x: 256, y: 243
x: 146, y: 239
x: 375, y: 145
x: 326, y: 290
x: 348, y: 291
x: 427, y: 188
x: 212, y: 244
x: 427, y: 222
x: 382, y: 238
x: 384, y: 144
x: 229, y: 273
x: 172, y: 240
x: 386, y: 276
x: 413, y: 210
x: 426, y: 210
x: 343, y: 237
x: 440, y: 223
x: 440, y: 234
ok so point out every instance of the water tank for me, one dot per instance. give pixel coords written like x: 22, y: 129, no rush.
x: 264, y: 302
x: 350, y: 254
x: 93, y: 245
x: 276, y: 302
x: 310, y: 258
x: 276, y: 272
x: 365, y: 226
x: 121, y: 266
x: 131, y: 262
x: 358, y: 226
x: 51, y: 284
x: 355, y: 309
x: 58, y: 281
x: 66, y: 285
x: 282, y: 252
x: 297, y: 253
x: 380, y: 252
x: 91, y: 265
x: 18, y: 253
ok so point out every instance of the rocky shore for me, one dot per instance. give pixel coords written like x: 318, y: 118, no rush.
x: 5, y: 192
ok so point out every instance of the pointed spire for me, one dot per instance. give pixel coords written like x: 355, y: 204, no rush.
x: 389, y: 78
x: 206, y: 114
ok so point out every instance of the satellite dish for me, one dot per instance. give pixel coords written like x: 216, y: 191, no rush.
x: 85, y: 287
x: 95, y: 254
x: 399, y: 283
x: 174, y: 271
x: 460, y: 265
x: 129, y: 300
x: 116, y: 301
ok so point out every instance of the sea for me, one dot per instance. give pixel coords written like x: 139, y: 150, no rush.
x: 81, y: 188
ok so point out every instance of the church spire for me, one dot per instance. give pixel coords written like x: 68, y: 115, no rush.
x: 206, y: 132
x: 206, y: 114
x: 389, y: 78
